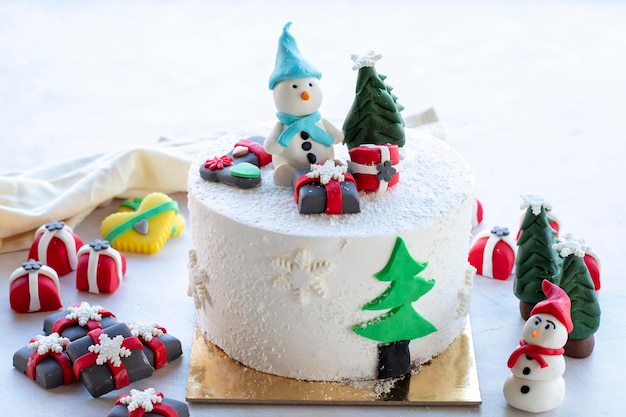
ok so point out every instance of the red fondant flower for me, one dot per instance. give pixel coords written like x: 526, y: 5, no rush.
x: 218, y: 162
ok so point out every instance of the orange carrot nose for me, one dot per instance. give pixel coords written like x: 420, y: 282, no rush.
x: 536, y: 334
x: 305, y: 95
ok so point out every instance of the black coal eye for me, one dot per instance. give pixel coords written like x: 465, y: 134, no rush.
x: 310, y: 84
x: 294, y: 85
x: 547, y: 326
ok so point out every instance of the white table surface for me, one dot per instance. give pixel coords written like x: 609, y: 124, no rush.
x: 531, y: 93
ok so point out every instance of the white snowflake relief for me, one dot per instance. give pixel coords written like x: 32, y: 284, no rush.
x: 51, y: 343
x: 84, y: 312
x: 327, y: 172
x: 141, y: 399
x: 303, y: 275
x: 535, y: 202
x: 145, y: 331
x: 110, y: 350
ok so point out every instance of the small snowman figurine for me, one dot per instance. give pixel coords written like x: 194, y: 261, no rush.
x: 301, y: 136
x: 536, y: 384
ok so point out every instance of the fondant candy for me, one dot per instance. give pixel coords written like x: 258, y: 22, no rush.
x: 56, y: 245
x: 100, y: 267
x: 492, y: 253
x: 108, y: 359
x: 325, y: 189
x: 34, y: 287
x: 146, y: 229
x: 77, y: 320
x: 148, y: 403
x: 44, y: 360
x: 159, y: 347
x: 375, y: 167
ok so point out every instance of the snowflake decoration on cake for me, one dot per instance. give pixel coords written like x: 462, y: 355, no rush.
x: 328, y: 172
x: 571, y: 246
x: 145, y: 331
x: 141, y: 399
x: 197, y: 287
x: 367, y: 60
x: 110, y: 350
x: 84, y: 312
x: 465, y: 293
x: 303, y: 274
x: 535, y: 202
x: 51, y: 343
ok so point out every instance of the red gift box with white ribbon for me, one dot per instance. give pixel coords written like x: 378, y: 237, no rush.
x: 56, y: 245
x: 493, y: 253
x: 34, y: 287
x: 100, y: 268
x: 375, y: 167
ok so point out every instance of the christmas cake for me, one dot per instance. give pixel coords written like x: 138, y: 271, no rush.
x: 334, y: 295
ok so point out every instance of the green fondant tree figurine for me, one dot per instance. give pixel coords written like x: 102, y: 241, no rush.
x: 375, y: 114
x: 536, y: 260
x: 401, y: 324
x: 576, y: 281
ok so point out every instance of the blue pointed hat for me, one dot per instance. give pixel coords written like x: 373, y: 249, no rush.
x: 289, y: 61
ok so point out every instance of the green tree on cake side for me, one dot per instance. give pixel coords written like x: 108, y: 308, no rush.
x: 401, y: 324
x: 375, y: 114
x: 576, y: 281
x: 536, y: 260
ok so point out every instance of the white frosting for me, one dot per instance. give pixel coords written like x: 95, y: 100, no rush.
x: 252, y: 250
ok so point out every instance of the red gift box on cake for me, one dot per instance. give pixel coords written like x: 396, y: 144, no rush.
x: 44, y: 360
x: 56, y: 245
x: 160, y: 348
x: 375, y: 167
x: 100, y: 267
x: 326, y: 188
x: 34, y: 287
x: 108, y: 359
x: 78, y: 320
x: 492, y: 253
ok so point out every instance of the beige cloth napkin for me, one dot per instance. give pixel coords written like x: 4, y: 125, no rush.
x: 69, y: 191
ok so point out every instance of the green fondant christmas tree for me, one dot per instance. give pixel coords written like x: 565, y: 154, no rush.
x: 536, y: 259
x: 576, y: 281
x: 375, y: 114
x: 401, y: 323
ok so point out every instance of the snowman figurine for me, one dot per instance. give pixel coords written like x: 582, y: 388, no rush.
x: 536, y: 384
x: 301, y: 136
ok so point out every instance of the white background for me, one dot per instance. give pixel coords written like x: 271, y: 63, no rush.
x: 531, y: 93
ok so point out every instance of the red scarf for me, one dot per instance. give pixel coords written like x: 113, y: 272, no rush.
x: 534, y: 352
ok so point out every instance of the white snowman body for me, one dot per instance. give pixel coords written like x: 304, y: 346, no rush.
x: 298, y: 97
x: 531, y: 387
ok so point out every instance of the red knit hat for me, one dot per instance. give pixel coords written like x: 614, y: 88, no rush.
x: 558, y: 304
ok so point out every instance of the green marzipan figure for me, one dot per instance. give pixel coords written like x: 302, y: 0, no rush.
x: 577, y: 283
x: 375, y: 114
x: 401, y: 322
x: 536, y: 259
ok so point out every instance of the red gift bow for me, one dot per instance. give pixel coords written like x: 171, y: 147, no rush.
x: 59, y: 357
x: 334, y: 198
x: 64, y: 322
x: 120, y: 375
x: 165, y: 410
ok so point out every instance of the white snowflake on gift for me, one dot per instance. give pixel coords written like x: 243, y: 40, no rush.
x: 328, y: 172
x: 571, y: 246
x: 51, y: 343
x: 145, y: 331
x: 84, y: 312
x: 535, y: 202
x: 303, y: 275
x: 110, y: 350
x: 141, y: 399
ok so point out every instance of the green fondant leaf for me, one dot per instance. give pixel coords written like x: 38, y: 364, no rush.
x: 245, y: 170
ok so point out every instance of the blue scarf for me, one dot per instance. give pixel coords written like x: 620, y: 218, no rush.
x: 306, y: 124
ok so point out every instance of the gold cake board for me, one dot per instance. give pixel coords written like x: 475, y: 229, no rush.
x: 449, y: 379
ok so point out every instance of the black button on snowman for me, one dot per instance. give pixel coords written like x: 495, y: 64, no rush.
x: 301, y: 136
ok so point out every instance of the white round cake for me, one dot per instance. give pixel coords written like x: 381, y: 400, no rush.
x: 282, y: 292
